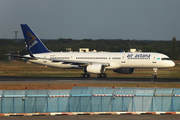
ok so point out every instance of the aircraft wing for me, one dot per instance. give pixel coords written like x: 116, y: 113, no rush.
x: 83, y: 63
x: 74, y: 62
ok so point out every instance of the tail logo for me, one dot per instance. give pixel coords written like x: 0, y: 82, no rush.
x: 30, y: 37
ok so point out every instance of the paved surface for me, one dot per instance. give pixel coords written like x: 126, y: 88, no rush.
x: 7, y: 79
x: 95, y: 117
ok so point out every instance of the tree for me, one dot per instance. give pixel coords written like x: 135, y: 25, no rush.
x: 174, y: 49
x: 147, y: 49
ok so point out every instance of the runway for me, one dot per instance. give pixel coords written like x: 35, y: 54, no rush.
x: 11, y: 79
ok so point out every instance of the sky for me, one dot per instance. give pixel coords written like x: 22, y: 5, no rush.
x: 92, y: 19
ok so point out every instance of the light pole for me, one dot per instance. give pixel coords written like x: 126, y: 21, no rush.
x: 16, y: 40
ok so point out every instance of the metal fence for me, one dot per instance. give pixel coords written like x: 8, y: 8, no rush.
x: 90, y: 99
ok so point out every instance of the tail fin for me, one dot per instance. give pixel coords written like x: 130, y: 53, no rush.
x: 33, y: 43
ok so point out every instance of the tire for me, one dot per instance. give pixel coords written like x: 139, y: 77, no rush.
x: 154, y: 76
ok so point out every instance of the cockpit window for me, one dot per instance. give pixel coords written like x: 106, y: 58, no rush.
x: 165, y: 59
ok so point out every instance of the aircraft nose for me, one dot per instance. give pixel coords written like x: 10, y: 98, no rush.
x: 172, y: 64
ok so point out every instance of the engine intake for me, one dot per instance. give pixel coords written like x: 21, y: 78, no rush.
x: 96, y: 68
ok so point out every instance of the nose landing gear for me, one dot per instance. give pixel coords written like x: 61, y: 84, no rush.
x: 155, y: 73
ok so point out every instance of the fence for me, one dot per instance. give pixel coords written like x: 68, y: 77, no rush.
x: 90, y: 99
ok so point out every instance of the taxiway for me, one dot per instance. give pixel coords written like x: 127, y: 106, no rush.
x: 8, y: 79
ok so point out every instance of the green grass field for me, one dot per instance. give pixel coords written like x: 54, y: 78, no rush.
x: 32, y: 70
x: 22, y: 69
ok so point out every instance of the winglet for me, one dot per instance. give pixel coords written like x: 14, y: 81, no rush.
x: 33, y: 44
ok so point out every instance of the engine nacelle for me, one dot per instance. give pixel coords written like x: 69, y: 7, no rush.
x: 124, y: 70
x: 96, y: 68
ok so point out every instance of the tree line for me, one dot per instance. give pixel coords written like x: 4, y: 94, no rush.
x: 170, y: 48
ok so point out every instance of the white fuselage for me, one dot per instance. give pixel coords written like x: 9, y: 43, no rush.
x: 115, y: 59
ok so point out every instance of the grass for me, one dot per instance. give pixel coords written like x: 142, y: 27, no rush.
x: 22, y: 69
x: 33, y: 70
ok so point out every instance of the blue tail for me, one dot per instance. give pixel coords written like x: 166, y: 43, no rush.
x: 33, y: 43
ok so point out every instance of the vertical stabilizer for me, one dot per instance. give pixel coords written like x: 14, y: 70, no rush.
x: 33, y: 43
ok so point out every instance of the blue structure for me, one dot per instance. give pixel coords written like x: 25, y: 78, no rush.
x: 90, y: 99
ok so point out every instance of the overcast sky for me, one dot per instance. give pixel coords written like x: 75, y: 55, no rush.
x: 94, y: 19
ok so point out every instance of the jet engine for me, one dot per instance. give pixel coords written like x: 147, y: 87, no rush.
x: 95, y: 68
x: 124, y: 70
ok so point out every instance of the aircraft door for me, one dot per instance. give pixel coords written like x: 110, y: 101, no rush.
x: 123, y: 59
x: 154, y: 60
x: 44, y: 61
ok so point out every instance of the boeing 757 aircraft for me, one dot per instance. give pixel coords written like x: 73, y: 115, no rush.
x: 92, y: 62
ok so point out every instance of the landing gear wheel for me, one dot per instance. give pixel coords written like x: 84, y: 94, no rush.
x: 88, y: 75
x: 82, y: 75
x: 154, y: 76
x: 101, y: 75
x: 104, y: 75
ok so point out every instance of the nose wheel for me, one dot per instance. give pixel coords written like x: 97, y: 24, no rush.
x: 155, y: 73
x: 154, y: 76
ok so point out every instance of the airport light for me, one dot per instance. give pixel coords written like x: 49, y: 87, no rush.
x: 16, y: 39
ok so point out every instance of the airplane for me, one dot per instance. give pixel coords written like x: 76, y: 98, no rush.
x: 92, y: 62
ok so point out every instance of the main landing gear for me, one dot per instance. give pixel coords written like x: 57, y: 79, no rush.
x: 155, y: 73
x: 103, y: 75
x: 85, y: 75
